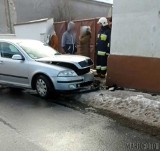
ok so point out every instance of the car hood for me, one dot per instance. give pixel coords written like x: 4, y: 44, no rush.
x: 64, y: 58
x: 80, y: 64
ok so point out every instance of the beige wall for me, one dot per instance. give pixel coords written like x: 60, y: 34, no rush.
x: 136, y: 28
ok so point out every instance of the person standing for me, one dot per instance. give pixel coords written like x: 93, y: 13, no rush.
x: 103, y: 47
x: 53, y: 42
x: 85, y: 38
x: 69, y: 43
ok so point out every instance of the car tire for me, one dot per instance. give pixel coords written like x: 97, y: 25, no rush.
x: 43, y: 86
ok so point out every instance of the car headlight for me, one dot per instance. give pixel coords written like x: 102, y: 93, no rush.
x: 67, y: 73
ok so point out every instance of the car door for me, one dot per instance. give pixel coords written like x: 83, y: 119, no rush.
x: 14, y: 72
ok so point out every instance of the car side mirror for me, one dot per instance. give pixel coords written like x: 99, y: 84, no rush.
x: 17, y: 57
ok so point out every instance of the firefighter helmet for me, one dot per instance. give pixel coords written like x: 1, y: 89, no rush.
x: 103, y: 21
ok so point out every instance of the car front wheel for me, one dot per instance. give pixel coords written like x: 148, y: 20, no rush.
x: 43, y: 86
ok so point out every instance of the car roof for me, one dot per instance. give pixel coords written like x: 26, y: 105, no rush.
x: 15, y: 41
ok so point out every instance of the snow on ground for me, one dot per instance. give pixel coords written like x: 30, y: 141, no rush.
x: 130, y: 104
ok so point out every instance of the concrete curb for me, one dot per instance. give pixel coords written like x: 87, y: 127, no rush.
x: 131, y: 122
x: 76, y: 103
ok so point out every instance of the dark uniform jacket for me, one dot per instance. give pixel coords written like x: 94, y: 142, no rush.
x: 103, y: 39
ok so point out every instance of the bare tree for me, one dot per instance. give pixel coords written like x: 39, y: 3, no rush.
x: 63, y: 10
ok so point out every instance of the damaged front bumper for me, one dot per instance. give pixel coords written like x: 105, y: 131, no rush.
x: 72, y: 83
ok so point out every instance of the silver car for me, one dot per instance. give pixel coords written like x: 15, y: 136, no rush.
x: 30, y: 64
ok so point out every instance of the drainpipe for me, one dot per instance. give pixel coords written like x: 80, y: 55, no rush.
x: 9, y: 17
x: 10, y: 14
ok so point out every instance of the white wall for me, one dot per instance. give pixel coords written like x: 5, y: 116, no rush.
x: 136, y: 28
x: 7, y: 36
x: 31, y: 31
x: 50, y: 28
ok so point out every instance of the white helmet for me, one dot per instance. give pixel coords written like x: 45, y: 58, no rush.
x: 103, y: 21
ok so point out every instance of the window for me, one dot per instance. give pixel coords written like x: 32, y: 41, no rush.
x: 8, y: 50
x: 37, y: 50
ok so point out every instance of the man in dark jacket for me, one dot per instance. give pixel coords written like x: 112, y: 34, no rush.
x: 69, y: 43
x: 103, y: 47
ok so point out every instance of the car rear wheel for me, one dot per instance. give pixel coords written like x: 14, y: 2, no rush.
x: 43, y: 86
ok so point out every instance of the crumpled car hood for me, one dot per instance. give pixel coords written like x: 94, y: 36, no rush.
x: 64, y: 58
x: 80, y: 64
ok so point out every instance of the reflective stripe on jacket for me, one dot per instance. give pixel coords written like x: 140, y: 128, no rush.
x: 103, y: 40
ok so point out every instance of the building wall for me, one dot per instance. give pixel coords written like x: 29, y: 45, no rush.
x: 25, y: 31
x: 7, y: 36
x: 26, y: 10
x: 36, y: 9
x: 135, y: 56
x: 91, y: 10
x: 42, y: 29
x: 136, y: 29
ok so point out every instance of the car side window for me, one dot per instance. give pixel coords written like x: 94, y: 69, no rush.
x: 8, y: 50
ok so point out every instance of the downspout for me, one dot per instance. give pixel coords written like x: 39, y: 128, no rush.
x: 9, y: 17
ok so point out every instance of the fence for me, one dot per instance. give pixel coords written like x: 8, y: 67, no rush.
x: 61, y: 27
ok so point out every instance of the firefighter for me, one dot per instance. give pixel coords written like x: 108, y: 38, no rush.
x: 103, y: 47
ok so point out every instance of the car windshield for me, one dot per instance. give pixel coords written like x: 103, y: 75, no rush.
x: 37, y: 50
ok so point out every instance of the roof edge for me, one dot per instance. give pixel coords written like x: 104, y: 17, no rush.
x: 97, y: 2
x: 33, y: 21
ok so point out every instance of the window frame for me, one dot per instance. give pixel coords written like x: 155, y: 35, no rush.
x: 8, y: 43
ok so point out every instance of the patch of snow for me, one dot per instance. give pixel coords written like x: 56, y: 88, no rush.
x: 134, y: 105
